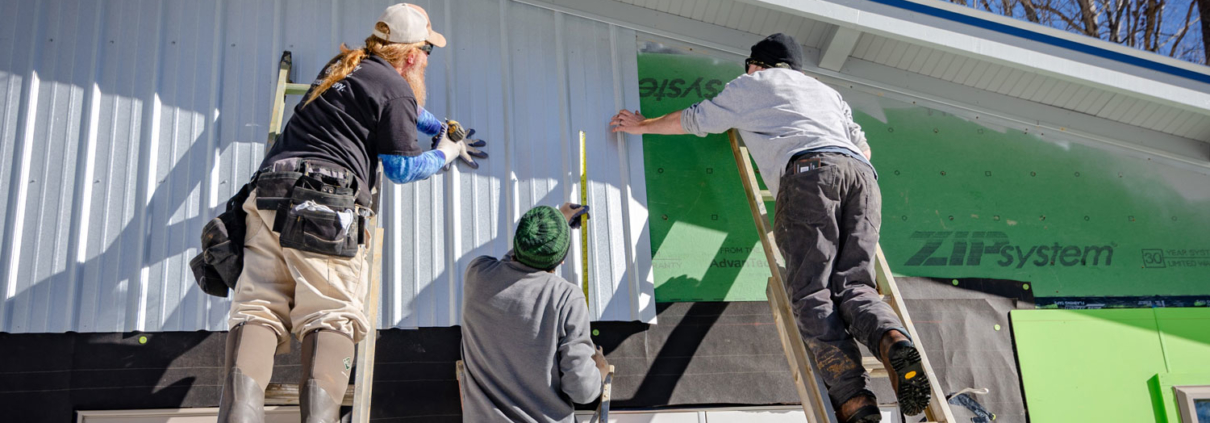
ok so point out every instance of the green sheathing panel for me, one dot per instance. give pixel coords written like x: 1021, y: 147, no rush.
x: 703, y: 241
x: 962, y: 197
x: 1109, y: 365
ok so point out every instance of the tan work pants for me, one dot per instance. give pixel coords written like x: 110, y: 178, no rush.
x: 292, y: 291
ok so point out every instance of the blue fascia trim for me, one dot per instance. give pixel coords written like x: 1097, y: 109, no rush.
x: 1043, y: 38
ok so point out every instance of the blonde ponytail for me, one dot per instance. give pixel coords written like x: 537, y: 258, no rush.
x: 345, y: 62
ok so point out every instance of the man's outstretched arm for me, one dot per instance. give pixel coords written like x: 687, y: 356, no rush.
x: 634, y: 123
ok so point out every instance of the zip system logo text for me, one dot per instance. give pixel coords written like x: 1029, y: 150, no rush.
x: 971, y: 248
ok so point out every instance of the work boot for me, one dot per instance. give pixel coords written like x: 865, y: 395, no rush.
x: 903, y: 366
x: 861, y: 408
x: 247, y: 368
x: 327, y: 358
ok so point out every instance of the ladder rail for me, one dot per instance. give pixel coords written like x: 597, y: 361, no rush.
x: 938, y: 408
x: 809, y: 391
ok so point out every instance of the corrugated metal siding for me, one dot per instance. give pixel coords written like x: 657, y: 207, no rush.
x: 125, y: 125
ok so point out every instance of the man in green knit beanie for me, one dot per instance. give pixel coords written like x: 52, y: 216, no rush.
x: 525, y: 330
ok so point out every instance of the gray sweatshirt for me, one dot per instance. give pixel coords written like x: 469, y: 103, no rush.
x: 778, y: 112
x: 525, y: 344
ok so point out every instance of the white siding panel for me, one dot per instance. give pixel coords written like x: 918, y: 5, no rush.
x: 125, y: 126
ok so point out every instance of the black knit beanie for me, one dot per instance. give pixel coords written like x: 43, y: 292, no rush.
x: 778, y: 50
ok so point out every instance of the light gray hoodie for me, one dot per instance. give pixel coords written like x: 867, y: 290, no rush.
x: 779, y: 113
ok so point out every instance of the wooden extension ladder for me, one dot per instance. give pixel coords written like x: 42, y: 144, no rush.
x: 358, y: 394
x: 810, y: 388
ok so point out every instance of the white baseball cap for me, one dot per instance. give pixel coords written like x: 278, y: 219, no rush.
x: 407, y: 23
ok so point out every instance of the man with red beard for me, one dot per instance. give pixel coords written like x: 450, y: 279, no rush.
x: 304, y: 265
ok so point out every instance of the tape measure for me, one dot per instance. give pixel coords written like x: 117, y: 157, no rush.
x: 584, y: 218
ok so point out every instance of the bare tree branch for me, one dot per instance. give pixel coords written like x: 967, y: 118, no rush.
x: 1031, y: 12
x: 1180, y: 35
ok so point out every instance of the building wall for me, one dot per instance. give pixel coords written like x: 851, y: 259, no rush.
x: 125, y: 126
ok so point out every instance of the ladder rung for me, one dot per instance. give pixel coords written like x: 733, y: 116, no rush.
x: 766, y: 195
x: 297, y: 89
x: 873, y: 367
x: 287, y: 394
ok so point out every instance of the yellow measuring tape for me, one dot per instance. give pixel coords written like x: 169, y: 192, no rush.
x: 584, y: 217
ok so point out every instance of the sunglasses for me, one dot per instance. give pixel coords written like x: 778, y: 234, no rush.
x: 750, y: 62
x: 427, y: 48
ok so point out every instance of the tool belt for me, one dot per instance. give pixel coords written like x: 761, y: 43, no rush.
x: 318, y: 210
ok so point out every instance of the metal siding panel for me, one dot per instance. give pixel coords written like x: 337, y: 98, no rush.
x: 160, y: 109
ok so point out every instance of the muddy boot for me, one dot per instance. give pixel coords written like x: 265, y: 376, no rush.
x: 861, y: 408
x: 327, y: 359
x: 903, y: 366
x: 247, y: 369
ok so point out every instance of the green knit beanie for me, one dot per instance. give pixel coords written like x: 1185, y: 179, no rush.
x: 542, y: 238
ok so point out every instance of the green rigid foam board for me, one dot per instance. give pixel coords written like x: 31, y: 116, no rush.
x: 1106, y: 365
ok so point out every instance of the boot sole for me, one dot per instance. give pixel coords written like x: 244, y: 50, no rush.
x: 914, y: 391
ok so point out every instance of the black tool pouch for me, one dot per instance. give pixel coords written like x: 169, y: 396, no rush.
x: 218, y: 266
x: 320, y: 231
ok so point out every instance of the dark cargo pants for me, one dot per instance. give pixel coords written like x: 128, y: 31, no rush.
x: 826, y: 226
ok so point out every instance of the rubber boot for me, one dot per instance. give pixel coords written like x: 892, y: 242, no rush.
x: 327, y: 361
x: 247, y: 368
